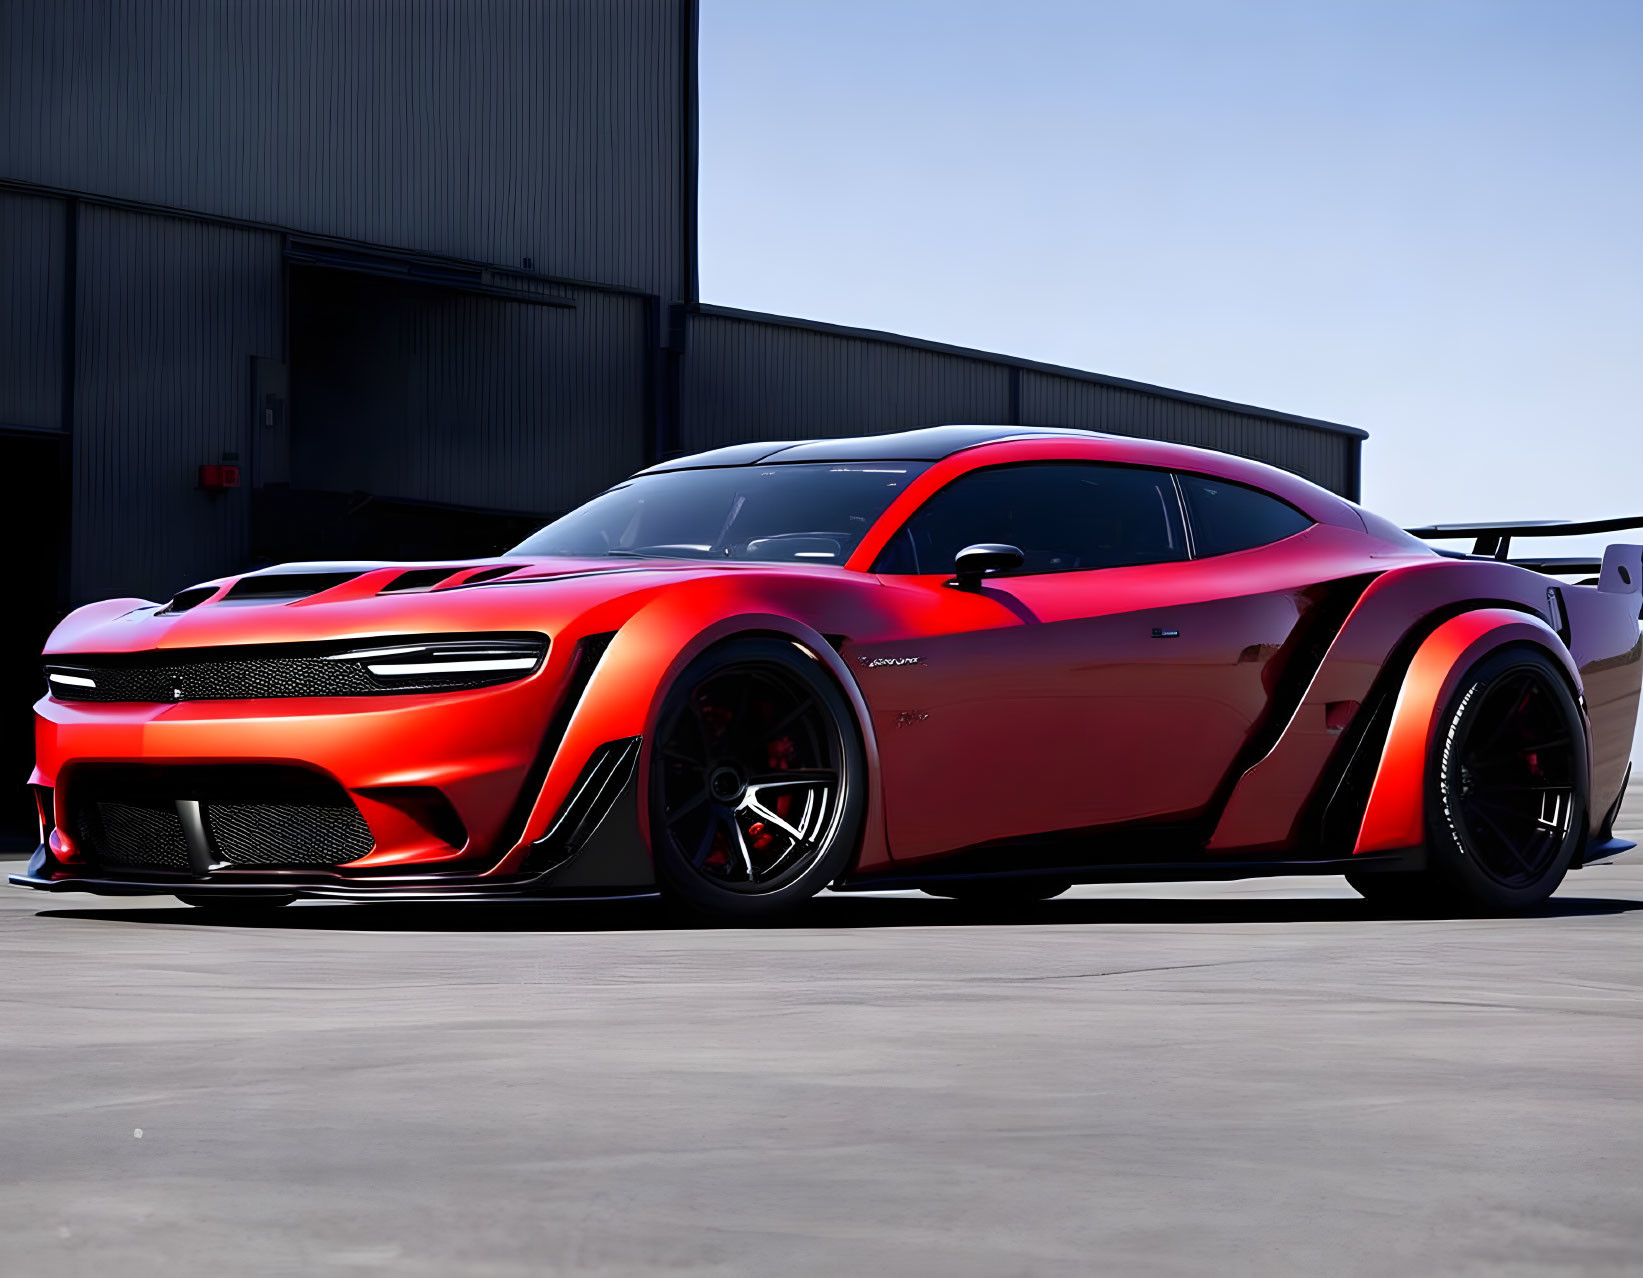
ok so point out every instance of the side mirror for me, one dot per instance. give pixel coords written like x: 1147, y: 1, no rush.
x: 975, y: 562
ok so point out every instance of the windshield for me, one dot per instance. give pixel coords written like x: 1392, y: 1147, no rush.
x: 801, y: 513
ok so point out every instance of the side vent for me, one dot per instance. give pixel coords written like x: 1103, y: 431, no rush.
x: 1343, y: 810
x: 596, y: 789
x: 588, y: 654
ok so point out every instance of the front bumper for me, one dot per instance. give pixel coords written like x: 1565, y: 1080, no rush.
x: 593, y: 849
x: 476, y: 749
x: 504, y: 766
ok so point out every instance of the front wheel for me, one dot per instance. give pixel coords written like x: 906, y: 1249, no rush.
x: 757, y: 781
x: 1506, y: 798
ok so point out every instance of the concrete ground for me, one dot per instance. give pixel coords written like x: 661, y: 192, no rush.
x: 1254, y: 1078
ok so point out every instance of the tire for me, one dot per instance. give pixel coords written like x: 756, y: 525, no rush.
x: 758, y: 782
x: 1002, y: 892
x: 236, y: 904
x: 1507, y: 794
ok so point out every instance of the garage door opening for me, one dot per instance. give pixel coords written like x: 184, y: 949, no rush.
x: 428, y: 422
x: 33, y: 519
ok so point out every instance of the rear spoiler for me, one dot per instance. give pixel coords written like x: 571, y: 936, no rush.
x: 1495, y: 540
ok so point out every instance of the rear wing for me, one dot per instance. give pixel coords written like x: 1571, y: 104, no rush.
x: 1495, y: 540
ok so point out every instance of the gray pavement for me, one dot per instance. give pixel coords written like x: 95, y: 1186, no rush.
x: 1252, y: 1078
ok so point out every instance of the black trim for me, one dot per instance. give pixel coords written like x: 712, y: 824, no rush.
x: 1605, y: 831
x: 584, y: 662
x: 1350, y: 773
x: 604, y: 777
x: 1314, y: 635
x: 1207, y: 870
x: 475, y: 888
x: 471, y: 889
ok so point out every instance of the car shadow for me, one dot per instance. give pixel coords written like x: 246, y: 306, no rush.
x: 827, y: 912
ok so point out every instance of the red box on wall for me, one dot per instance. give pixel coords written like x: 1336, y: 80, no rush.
x: 218, y: 477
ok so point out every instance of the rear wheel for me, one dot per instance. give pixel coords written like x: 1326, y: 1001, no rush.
x: 758, y: 781
x: 1507, y: 793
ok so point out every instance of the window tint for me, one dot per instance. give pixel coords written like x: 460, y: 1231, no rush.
x: 814, y: 513
x: 1227, y: 517
x: 1063, y: 516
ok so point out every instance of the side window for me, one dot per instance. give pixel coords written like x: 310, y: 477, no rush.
x: 1063, y: 515
x: 1227, y: 516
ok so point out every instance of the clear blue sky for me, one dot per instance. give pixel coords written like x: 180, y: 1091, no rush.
x: 1422, y: 218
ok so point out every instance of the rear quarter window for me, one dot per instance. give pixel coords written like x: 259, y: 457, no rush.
x: 1226, y: 516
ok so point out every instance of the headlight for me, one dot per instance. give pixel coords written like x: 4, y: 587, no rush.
x: 488, y: 660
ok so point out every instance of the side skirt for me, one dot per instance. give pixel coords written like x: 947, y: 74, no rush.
x: 1205, y: 870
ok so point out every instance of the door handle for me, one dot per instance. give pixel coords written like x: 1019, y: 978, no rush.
x: 1159, y: 632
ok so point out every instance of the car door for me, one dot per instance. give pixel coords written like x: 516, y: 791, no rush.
x: 1113, y: 679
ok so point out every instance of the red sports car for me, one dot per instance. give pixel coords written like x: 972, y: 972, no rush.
x: 986, y: 662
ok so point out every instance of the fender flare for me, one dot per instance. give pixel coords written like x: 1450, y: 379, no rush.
x: 624, y: 697
x: 1394, y: 818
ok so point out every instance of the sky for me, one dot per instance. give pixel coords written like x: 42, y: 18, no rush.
x: 1424, y: 219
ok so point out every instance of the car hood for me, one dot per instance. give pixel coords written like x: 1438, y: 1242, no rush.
x: 291, y: 603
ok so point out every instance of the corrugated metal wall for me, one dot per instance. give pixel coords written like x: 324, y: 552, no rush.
x: 746, y: 380
x: 746, y: 376
x: 1324, y: 457
x: 169, y: 315
x: 434, y: 395
x: 490, y: 131
x: 32, y: 262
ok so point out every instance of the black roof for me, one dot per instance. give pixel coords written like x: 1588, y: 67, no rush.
x: 930, y: 443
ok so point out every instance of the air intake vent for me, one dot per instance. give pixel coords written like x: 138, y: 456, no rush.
x: 491, y: 574
x: 190, y: 598
x: 286, y: 585
x: 128, y: 816
x: 416, y: 579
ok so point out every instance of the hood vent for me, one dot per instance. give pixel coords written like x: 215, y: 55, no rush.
x: 416, y: 579
x: 491, y: 574
x: 183, y: 600
x: 286, y: 585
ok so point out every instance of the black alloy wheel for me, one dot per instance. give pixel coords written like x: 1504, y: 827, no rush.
x: 757, y: 781
x: 1507, y: 796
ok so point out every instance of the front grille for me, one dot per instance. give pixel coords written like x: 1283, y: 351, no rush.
x: 133, y: 835
x: 355, y: 668
x: 126, y: 816
x: 287, y: 833
x: 213, y: 680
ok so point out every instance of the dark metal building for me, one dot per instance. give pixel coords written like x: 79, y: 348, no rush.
x: 424, y: 271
